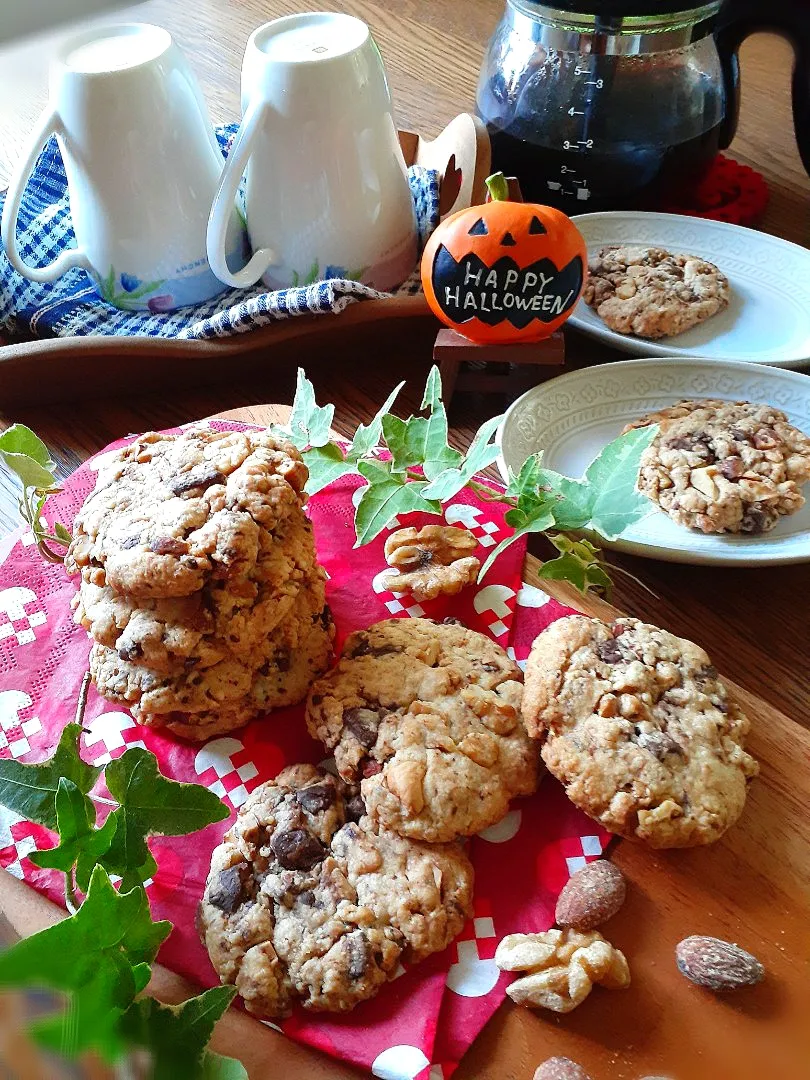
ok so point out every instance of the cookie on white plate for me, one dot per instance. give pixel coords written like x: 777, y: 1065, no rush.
x: 653, y: 293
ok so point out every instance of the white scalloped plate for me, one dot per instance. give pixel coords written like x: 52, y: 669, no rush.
x: 573, y: 416
x: 768, y: 317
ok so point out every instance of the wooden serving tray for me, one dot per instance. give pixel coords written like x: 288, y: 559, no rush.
x: 753, y: 887
x: 46, y: 370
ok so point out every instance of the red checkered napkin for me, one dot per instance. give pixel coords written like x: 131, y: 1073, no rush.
x: 422, y: 1023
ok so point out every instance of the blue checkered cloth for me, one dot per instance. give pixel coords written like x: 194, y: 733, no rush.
x: 73, y: 307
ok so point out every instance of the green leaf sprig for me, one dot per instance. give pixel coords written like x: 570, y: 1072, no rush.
x: 422, y: 472
x: 27, y: 457
x: 100, y: 958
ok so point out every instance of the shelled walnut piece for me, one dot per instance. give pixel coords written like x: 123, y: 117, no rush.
x: 431, y: 561
x: 561, y: 967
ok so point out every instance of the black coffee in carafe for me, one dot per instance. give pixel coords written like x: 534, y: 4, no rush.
x: 597, y: 105
x: 629, y: 175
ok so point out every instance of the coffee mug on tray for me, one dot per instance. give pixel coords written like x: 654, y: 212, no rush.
x: 326, y: 187
x: 142, y: 163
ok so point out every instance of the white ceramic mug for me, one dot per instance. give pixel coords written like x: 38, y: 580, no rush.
x: 142, y: 164
x: 326, y: 186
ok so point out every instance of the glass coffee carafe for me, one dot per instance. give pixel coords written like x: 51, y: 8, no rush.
x: 604, y: 104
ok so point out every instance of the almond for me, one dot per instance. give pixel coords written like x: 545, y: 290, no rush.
x: 560, y: 1068
x: 717, y: 964
x: 591, y: 896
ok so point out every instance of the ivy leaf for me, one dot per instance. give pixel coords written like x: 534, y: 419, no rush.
x: 386, y: 495
x: 579, y: 563
x: 176, y: 1036
x: 367, y: 436
x: 573, y: 499
x: 61, y: 532
x: 542, y: 520
x: 535, y: 486
x: 438, y: 456
x: 326, y: 464
x: 527, y: 481
x: 480, y: 456
x: 217, y: 1067
x: 406, y: 440
x: 30, y: 790
x: 613, y: 476
x: 101, y: 956
x: 310, y: 423
x: 150, y: 804
x: 30, y: 472
x: 79, y: 841
x: 419, y: 440
x: 19, y: 439
x: 605, y: 499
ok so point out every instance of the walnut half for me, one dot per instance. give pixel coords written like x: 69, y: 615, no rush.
x: 561, y: 967
x: 434, y: 560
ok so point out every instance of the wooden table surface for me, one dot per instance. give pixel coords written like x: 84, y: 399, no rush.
x: 754, y: 622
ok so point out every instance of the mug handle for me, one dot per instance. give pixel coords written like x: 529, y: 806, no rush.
x: 224, y: 200
x: 47, y: 125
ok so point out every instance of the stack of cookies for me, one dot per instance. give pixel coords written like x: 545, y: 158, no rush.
x: 325, y: 883
x: 199, y: 581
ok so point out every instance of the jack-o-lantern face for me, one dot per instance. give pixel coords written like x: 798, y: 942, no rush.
x: 505, y: 271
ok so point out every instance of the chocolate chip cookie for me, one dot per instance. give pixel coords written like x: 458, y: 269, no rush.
x: 653, y: 293
x: 221, y: 619
x: 177, y: 511
x: 306, y: 903
x: 426, y: 717
x: 202, y: 702
x: 723, y: 466
x: 637, y: 725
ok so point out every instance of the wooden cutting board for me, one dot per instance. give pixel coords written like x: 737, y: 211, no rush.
x: 752, y: 887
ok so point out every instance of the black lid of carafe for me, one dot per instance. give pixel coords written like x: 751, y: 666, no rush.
x: 619, y: 9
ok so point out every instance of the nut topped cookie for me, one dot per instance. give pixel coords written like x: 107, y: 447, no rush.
x: 306, y: 903
x: 653, y: 293
x: 175, y: 511
x: 426, y: 717
x: 724, y: 466
x: 637, y: 725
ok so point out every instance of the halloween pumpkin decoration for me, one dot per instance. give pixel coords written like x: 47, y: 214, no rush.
x: 505, y: 272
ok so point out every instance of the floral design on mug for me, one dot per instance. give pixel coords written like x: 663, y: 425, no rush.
x: 329, y: 274
x: 132, y: 289
x: 159, y: 305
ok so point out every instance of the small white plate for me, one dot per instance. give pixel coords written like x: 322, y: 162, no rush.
x: 573, y: 416
x: 767, y: 320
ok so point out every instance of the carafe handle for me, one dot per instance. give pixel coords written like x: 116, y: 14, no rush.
x: 791, y: 18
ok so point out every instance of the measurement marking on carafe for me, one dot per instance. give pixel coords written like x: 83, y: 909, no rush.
x: 581, y: 193
x: 587, y: 143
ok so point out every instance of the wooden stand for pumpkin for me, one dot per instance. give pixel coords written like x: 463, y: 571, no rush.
x: 515, y: 365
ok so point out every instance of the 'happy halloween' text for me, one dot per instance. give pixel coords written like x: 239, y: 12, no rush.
x: 469, y: 289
